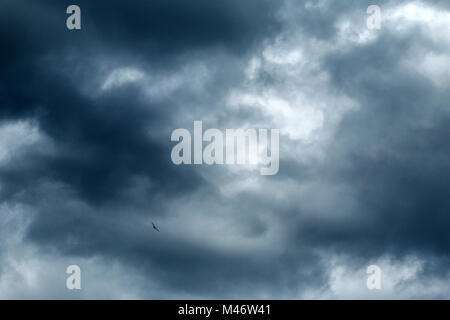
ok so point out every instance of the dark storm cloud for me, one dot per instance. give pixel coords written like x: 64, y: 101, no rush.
x: 104, y: 143
x: 184, y: 267
x: 173, y: 26
x: 392, y: 154
x: 382, y: 188
x: 394, y: 151
x: 104, y: 140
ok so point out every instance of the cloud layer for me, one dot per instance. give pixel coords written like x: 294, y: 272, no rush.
x: 85, y: 124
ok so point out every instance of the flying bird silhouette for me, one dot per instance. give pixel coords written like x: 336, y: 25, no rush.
x: 155, y: 227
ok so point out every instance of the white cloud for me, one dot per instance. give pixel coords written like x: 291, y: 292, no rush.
x: 121, y: 76
x: 400, y: 279
x: 434, y: 22
x: 433, y: 66
x: 18, y: 136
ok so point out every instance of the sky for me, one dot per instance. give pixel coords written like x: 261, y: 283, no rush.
x: 86, y: 118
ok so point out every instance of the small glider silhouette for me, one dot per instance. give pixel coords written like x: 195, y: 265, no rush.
x: 155, y: 227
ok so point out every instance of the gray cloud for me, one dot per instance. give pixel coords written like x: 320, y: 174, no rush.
x: 85, y: 127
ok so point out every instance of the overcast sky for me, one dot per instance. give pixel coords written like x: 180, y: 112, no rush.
x: 85, y: 123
